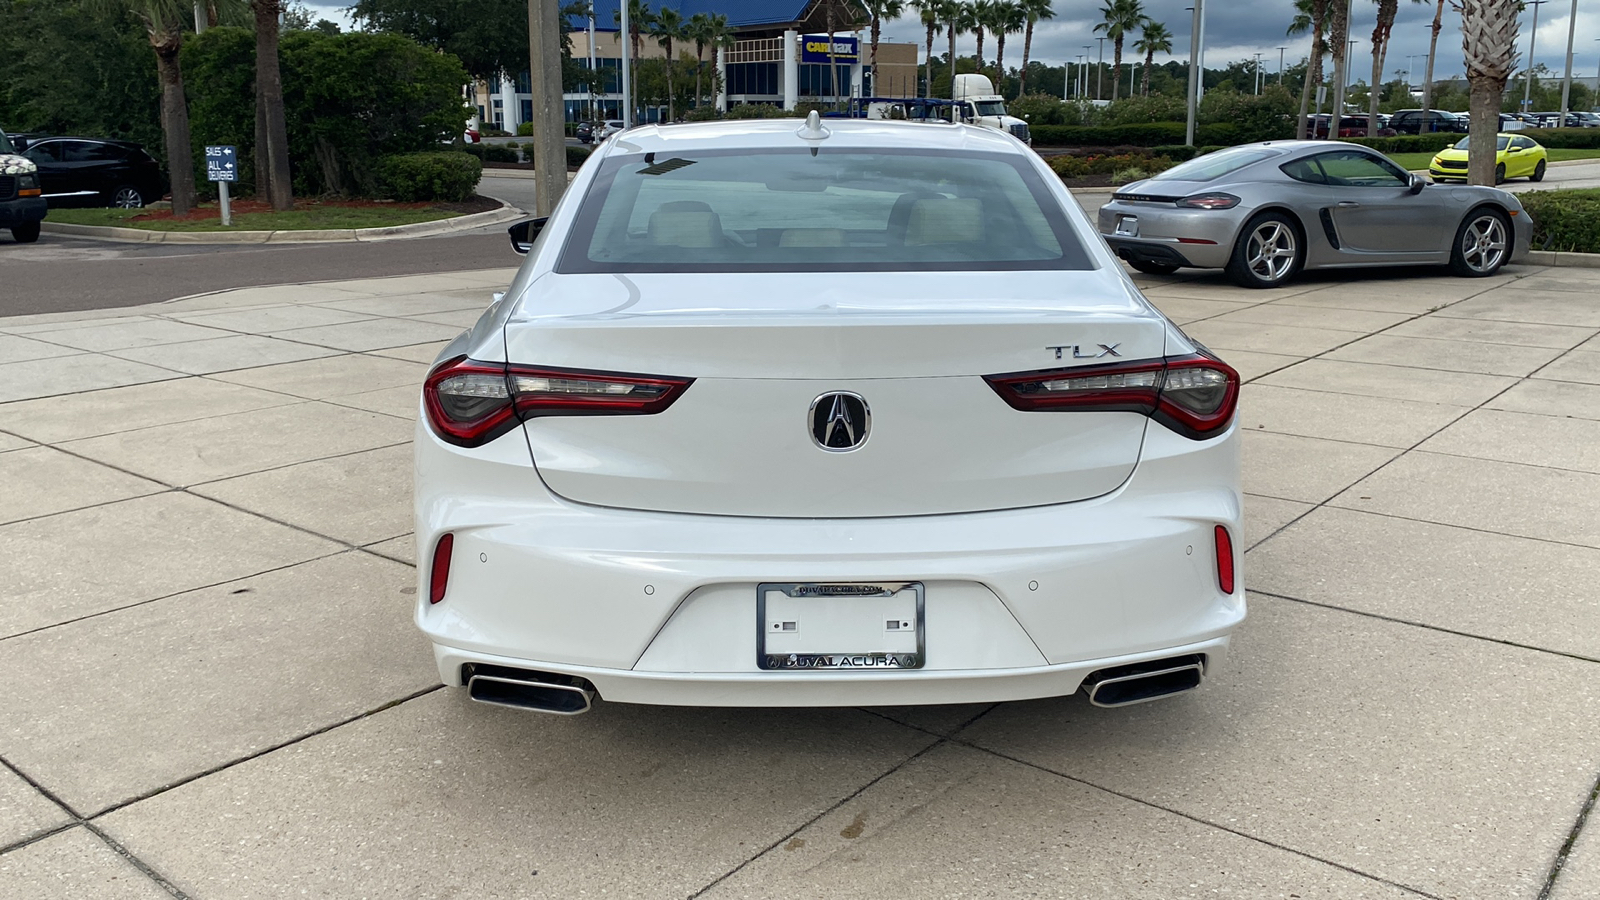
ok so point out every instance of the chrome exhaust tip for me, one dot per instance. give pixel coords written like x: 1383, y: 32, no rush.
x: 559, y: 695
x: 1143, y: 682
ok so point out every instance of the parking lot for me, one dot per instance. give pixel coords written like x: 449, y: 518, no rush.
x: 214, y: 690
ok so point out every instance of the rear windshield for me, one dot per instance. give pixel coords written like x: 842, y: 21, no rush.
x: 1215, y: 165
x: 1500, y: 142
x: 844, y: 211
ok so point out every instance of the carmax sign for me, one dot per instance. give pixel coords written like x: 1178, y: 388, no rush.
x: 814, y: 49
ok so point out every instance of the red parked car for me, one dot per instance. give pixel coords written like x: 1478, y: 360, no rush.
x: 1349, y: 126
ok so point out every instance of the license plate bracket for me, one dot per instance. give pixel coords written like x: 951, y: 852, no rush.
x: 1127, y: 226
x: 834, y: 626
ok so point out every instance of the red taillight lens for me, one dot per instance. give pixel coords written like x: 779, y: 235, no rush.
x: 470, y: 403
x: 1224, y: 560
x: 439, y: 575
x: 1192, y: 395
x: 1216, y: 200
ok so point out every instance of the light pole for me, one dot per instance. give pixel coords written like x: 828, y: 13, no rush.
x: 1257, y: 79
x: 1410, y: 67
x: 1533, y: 36
x: 1193, y: 92
x: 1280, y: 64
x: 1083, y: 70
x: 1100, y: 68
x: 1566, y: 81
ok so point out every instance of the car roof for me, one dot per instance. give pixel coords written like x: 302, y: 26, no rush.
x: 854, y: 133
x: 115, y: 142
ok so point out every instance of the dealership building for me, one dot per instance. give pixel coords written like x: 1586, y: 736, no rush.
x: 779, y: 56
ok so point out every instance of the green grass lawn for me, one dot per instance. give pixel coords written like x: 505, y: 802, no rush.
x: 1419, y: 161
x: 307, y: 215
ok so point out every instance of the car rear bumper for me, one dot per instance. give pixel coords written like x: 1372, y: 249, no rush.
x: 1200, y: 238
x: 661, y: 608
x: 22, y: 211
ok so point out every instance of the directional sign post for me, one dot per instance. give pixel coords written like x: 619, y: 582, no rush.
x: 222, y: 166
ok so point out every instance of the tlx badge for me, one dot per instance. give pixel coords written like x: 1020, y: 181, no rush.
x: 1096, y: 352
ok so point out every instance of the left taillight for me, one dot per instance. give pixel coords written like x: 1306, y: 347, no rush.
x: 469, y: 403
x: 1193, y: 395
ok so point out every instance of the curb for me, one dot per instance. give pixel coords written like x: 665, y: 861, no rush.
x: 506, y: 213
x: 1571, y: 260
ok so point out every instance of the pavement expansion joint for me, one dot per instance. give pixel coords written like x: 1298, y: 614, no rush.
x: 1196, y: 819
x: 1572, y: 839
x: 939, y: 741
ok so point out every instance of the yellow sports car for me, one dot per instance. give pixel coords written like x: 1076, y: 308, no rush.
x: 1515, y: 157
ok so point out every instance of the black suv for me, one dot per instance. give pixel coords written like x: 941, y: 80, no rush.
x: 1412, y: 121
x: 78, y: 171
x: 21, y: 206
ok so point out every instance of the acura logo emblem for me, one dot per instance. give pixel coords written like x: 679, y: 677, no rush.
x: 839, y: 421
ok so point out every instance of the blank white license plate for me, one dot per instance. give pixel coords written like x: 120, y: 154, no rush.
x: 1128, y: 226
x: 831, y: 625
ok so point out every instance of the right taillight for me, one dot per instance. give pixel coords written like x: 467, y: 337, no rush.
x: 1224, y: 543
x: 439, y: 575
x: 469, y: 403
x: 1193, y: 395
x: 1213, y: 200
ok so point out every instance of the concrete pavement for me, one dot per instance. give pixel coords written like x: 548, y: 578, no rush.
x: 213, y: 688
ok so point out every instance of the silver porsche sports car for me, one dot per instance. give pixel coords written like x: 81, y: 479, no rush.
x: 1266, y: 211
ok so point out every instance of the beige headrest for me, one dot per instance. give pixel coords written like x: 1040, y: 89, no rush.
x: 951, y: 220
x: 685, y: 223
x: 811, y: 237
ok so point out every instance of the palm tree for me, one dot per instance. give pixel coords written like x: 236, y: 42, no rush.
x: 1489, y: 37
x: 1006, y: 18
x: 278, y: 189
x: 877, y: 11
x: 163, y: 22
x: 978, y: 23
x: 1312, y: 16
x: 666, y: 27
x: 957, y: 20
x: 1118, y: 18
x: 1387, y: 9
x: 1427, y: 77
x: 1338, y: 32
x: 838, y: 14
x: 639, y: 21
x: 698, y: 30
x: 1034, y: 10
x: 928, y: 10
x: 1153, y: 38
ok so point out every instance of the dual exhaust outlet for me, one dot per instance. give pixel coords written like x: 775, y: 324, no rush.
x: 562, y: 695
x: 566, y: 695
x: 1146, y: 681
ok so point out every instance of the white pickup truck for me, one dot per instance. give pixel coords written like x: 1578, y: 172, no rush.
x: 979, y: 104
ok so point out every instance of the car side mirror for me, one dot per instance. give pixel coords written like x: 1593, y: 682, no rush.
x: 524, y: 233
x: 1418, y: 182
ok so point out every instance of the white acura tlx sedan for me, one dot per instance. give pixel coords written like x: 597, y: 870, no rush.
x: 823, y: 414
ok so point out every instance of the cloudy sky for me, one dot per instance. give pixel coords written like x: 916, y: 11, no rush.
x: 1238, y: 29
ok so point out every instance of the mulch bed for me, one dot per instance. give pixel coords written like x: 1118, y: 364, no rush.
x: 241, y: 206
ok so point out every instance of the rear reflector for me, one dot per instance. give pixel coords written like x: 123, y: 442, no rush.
x: 439, y: 577
x: 1192, y: 395
x: 469, y: 403
x: 1224, y: 560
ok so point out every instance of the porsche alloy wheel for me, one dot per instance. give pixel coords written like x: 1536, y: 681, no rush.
x: 1268, y: 254
x: 1483, y: 243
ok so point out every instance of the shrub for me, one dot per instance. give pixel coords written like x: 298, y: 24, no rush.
x: 1267, y: 116
x: 524, y: 129
x: 1135, y: 110
x: 576, y: 155
x: 758, y: 111
x: 702, y: 114
x: 1149, y: 134
x: 1565, y: 221
x: 1133, y: 173
x: 1075, y: 166
x: 1176, y: 152
x: 498, y: 153
x: 1042, y: 109
x: 1408, y: 143
x: 414, y: 177
x: 1567, y: 138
